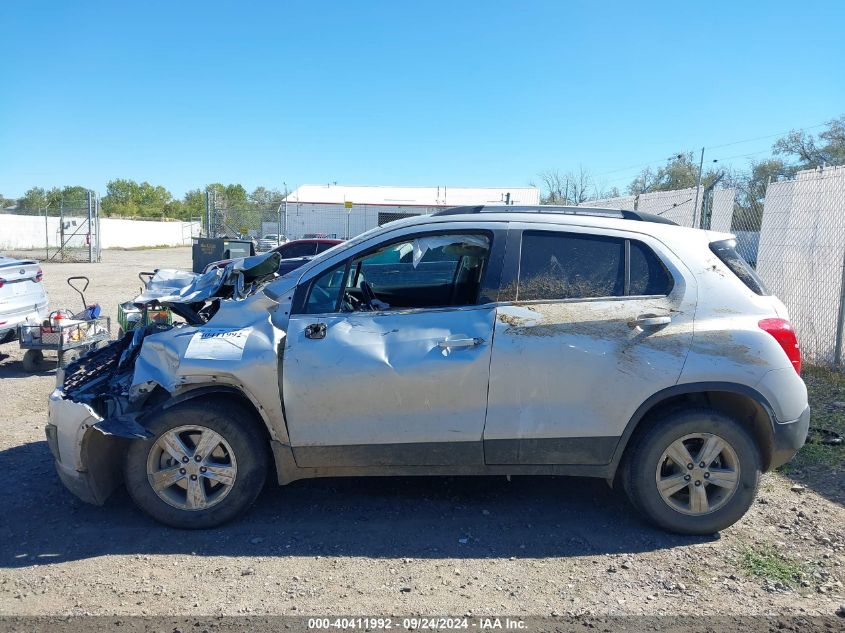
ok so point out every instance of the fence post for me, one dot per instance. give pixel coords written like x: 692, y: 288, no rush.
x: 840, y: 318
x: 208, y: 231
x: 62, y: 228
x: 90, y: 235
x: 46, y: 235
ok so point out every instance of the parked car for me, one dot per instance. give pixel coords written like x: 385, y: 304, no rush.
x: 296, y: 252
x: 306, y: 247
x: 482, y: 340
x: 22, y: 295
x: 269, y: 241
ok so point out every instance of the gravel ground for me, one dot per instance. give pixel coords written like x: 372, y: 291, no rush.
x: 448, y: 546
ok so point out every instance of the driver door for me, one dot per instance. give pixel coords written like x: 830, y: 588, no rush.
x: 387, y: 362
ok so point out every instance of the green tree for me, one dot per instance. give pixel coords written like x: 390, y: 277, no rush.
x: 751, y: 191
x: 264, y: 198
x: 131, y: 199
x: 679, y: 172
x: 193, y: 204
x: 810, y: 151
x: 232, y: 196
x: 36, y: 199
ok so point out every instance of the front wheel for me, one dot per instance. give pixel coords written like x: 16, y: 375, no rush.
x: 693, y: 472
x: 206, y: 464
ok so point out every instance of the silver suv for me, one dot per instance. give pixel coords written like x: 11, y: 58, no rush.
x: 478, y: 340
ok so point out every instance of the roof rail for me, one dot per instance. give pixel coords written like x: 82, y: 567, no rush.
x: 622, y: 214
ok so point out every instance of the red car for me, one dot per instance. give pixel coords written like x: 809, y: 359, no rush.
x: 305, y: 248
x: 290, y: 250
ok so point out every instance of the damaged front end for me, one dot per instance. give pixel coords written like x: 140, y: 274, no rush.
x: 101, y: 400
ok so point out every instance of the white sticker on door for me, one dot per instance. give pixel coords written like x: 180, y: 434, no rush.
x: 218, y: 343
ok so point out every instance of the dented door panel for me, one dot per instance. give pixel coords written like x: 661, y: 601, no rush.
x: 398, y: 388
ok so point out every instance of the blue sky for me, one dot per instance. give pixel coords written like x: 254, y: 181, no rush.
x: 458, y: 93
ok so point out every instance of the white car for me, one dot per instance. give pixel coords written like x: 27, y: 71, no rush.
x: 22, y: 295
x: 269, y: 241
x: 475, y: 341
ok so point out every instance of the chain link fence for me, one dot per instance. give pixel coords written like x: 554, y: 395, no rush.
x: 224, y: 219
x: 298, y: 220
x: 791, y: 231
x: 801, y: 256
x: 67, y: 230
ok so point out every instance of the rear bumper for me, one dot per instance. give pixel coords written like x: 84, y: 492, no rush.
x: 10, y: 319
x: 788, y: 438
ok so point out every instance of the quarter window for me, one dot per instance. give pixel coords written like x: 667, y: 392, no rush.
x: 648, y: 274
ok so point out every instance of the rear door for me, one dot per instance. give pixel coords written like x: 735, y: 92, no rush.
x: 598, y: 321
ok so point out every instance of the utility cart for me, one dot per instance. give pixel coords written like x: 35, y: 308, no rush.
x: 69, y: 335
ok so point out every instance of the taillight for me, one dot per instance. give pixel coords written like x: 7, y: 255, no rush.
x: 782, y: 331
x: 39, y: 276
x: 2, y: 282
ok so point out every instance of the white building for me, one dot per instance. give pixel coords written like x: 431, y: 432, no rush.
x: 343, y: 211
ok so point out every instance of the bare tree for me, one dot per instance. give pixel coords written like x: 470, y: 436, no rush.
x: 573, y: 187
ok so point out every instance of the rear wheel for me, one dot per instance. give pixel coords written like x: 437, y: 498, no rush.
x: 693, y: 472
x: 206, y: 464
x: 33, y: 360
x: 66, y: 358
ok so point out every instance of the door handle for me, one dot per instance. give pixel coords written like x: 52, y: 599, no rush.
x: 315, y: 331
x: 649, y: 320
x: 454, y: 343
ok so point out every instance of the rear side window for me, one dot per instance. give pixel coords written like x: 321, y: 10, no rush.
x: 726, y: 251
x: 578, y: 266
x: 569, y: 266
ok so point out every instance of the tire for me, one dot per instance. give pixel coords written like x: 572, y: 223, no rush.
x: 66, y: 358
x: 33, y: 360
x: 95, y: 346
x: 241, y: 458
x: 694, y: 508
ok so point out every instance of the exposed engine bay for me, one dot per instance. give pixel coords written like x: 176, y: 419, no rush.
x: 103, y: 378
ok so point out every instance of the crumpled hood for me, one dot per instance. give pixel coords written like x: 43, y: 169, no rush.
x: 179, y: 286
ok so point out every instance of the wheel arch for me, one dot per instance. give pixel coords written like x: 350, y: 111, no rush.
x: 747, y: 405
x: 160, y: 400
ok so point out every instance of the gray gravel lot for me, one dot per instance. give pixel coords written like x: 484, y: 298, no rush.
x: 531, y: 546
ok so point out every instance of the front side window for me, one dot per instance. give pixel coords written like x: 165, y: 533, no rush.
x: 557, y: 265
x: 428, y: 271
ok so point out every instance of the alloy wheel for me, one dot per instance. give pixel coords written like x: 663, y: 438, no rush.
x: 191, y: 467
x: 698, y: 473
